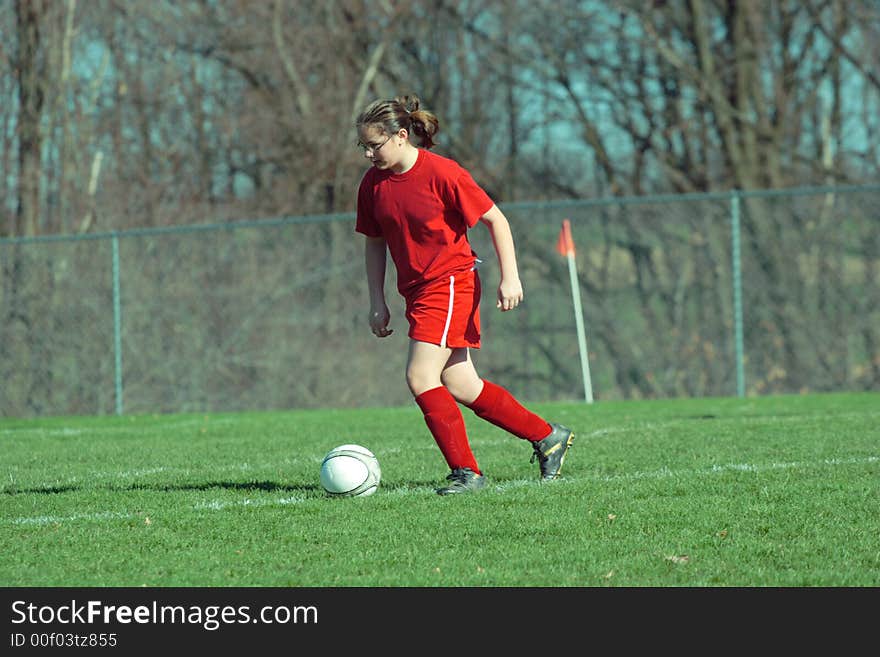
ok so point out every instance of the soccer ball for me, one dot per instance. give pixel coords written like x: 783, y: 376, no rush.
x: 350, y: 471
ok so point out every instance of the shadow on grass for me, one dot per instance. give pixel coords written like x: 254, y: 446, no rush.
x: 245, y: 486
x: 265, y: 486
x: 42, y: 490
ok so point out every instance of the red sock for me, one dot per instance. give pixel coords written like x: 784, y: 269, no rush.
x: 498, y: 406
x: 446, y: 424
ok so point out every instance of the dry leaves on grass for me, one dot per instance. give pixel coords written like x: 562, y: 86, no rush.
x: 678, y: 558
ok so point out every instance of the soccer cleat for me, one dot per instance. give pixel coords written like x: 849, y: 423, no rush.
x: 463, y: 480
x: 551, y: 451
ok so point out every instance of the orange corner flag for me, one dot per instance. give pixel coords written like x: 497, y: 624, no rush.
x: 565, y: 243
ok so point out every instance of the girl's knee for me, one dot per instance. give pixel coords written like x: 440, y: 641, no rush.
x: 463, y: 389
x: 419, y: 381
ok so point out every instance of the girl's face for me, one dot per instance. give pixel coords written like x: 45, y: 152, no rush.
x: 381, y: 149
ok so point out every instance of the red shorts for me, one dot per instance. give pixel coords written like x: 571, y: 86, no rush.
x: 446, y: 312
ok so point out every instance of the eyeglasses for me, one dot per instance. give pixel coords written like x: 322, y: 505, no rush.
x: 374, y: 148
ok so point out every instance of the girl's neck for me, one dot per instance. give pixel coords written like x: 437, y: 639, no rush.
x: 407, y: 159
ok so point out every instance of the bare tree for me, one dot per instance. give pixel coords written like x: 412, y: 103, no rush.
x: 31, y: 67
x: 128, y: 114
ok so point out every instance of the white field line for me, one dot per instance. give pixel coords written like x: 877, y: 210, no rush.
x: 43, y: 432
x: 666, y: 473
x: 46, y: 432
x: 662, y: 473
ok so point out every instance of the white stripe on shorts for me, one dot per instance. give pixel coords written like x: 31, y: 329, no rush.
x: 449, y: 311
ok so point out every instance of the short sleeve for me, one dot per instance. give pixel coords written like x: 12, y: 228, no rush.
x: 472, y: 201
x: 366, y: 221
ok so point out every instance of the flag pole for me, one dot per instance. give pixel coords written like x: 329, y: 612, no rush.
x: 565, y: 246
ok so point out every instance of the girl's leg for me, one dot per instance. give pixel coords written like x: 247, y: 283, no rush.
x: 550, y: 441
x: 490, y: 401
x: 460, y: 377
x: 424, y: 368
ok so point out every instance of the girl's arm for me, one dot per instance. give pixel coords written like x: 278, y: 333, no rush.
x: 374, y: 256
x: 510, y: 292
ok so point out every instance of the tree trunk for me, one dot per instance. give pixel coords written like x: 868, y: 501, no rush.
x: 31, y: 70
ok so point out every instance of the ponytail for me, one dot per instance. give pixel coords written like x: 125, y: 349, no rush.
x: 423, y: 124
x: 402, y: 112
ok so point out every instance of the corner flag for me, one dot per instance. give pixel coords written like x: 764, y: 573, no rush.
x: 565, y: 243
x: 565, y: 247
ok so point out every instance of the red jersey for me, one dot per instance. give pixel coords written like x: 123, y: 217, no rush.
x: 424, y: 215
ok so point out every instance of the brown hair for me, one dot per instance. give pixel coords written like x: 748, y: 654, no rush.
x: 402, y: 112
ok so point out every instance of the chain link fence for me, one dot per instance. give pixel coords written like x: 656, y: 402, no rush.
x: 742, y: 293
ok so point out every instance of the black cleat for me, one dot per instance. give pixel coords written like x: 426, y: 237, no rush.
x: 463, y: 480
x: 551, y: 451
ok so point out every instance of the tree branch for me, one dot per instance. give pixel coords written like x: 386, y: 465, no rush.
x: 301, y: 92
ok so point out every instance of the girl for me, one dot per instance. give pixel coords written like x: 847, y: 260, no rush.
x: 419, y: 206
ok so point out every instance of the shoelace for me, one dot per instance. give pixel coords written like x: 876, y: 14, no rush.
x: 459, y: 475
x: 537, y: 453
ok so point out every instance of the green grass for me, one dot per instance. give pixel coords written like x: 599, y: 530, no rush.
x: 777, y: 491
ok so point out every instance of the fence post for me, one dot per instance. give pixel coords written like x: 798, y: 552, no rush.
x: 737, y: 294
x: 117, y: 323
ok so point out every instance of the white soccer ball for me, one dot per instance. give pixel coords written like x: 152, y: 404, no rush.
x: 350, y: 471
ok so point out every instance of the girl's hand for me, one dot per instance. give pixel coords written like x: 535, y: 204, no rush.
x: 379, y: 322
x: 510, y: 294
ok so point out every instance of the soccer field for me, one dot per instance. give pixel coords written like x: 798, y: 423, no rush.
x: 775, y: 491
